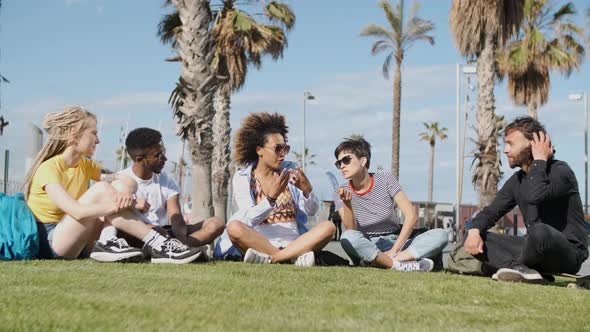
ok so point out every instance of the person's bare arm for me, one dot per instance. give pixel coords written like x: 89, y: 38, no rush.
x: 410, y: 218
x: 179, y: 226
x: 346, y: 213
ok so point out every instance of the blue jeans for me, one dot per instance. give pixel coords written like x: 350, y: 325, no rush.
x: 359, y: 247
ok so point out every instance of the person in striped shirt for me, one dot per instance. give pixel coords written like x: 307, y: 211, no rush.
x: 367, y: 203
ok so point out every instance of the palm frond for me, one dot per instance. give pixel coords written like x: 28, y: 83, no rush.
x: 378, y: 31
x: 394, y: 16
x: 380, y: 46
x: 548, y: 41
x: 471, y: 21
x: 567, y: 9
x: 169, y: 28
x: 242, y: 41
x: 417, y: 29
x: 280, y: 13
x: 387, y: 65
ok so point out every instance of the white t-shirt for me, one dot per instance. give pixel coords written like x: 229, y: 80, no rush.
x: 156, y: 192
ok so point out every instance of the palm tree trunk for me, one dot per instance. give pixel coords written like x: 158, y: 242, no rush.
x: 397, y: 93
x: 195, y: 49
x: 221, y: 152
x: 428, y: 215
x: 532, y: 109
x: 487, y: 172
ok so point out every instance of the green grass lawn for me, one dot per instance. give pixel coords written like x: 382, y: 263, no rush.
x: 85, y: 295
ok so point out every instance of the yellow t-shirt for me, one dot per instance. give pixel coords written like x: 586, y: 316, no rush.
x: 74, y: 180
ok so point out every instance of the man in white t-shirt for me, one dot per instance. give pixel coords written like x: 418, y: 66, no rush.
x: 147, y: 151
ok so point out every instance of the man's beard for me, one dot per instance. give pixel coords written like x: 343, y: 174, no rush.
x: 523, y: 158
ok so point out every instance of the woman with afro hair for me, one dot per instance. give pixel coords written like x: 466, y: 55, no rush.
x: 274, y: 199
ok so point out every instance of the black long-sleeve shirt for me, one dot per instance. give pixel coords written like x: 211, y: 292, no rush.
x: 548, y: 194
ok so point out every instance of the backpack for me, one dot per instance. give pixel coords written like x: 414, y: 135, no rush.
x: 464, y: 263
x: 18, y: 229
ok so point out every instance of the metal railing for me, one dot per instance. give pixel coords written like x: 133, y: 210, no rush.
x: 10, y: 187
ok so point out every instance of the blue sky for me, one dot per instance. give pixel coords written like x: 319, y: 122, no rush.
x: 104, y: 54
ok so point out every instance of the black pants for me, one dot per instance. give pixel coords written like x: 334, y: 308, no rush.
x: 544, y: 249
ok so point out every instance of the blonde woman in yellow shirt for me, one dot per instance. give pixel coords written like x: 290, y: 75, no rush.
x: 70, y: 215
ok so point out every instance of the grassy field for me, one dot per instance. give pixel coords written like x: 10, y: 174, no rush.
x: 85, y: 295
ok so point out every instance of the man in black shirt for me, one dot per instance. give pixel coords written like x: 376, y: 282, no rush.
x: 546, y: 192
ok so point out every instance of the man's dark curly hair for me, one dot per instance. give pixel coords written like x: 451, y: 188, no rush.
x: 526, y: 125
x: 140, y: 139
x: 253, y: 133
x: 359, y: 147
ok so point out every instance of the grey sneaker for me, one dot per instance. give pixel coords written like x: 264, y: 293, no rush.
x: 254, y: 257
x: 115, y: 250
x: 306, y: 260
x: 420, y: 265
x: 173, y: 251
x: 520, y: 273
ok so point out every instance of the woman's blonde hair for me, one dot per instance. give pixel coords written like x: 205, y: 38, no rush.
x: 63, y: 129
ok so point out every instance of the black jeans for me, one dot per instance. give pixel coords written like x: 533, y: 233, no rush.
x: 544, y: 249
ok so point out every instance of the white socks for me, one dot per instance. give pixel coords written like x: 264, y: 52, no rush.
x: 154, y: 239
x: 108, y: 233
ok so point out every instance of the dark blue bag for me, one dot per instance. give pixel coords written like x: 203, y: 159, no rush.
x: 18, y: 229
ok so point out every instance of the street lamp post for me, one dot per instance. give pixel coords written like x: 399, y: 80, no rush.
x: 306, y: 96
x: 584, y: 97
x: 466, y: 69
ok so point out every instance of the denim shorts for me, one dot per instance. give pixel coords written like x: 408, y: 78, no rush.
x: 45, y: 231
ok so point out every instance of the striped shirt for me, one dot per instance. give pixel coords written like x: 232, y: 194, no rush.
x: 374, y: 209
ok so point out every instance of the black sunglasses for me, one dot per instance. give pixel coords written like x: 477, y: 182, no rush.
x: 345, y: 160
x: 160, y: 155
x: 280, y: 148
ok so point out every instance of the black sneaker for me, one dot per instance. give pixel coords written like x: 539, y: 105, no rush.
x: 172, y: 251
x: 520, y: 273
x: 115, y: 250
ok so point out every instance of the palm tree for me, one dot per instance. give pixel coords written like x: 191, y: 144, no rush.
x: 122, y: 153
x: 356, y: 136
x: 240, y: 41
x: 192, y: 99
x: 478, y: 28
x: 430, y: 135
x: 547, y: 40
x: 308, y: 158
x: 403, y: 34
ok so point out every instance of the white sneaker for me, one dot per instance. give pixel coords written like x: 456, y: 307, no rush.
x: 495, y: 276
x: 254, y: 257
x: 421, y: 265
x: 306, y: 260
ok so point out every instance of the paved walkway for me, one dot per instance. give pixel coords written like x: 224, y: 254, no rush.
x: 336, y: 248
